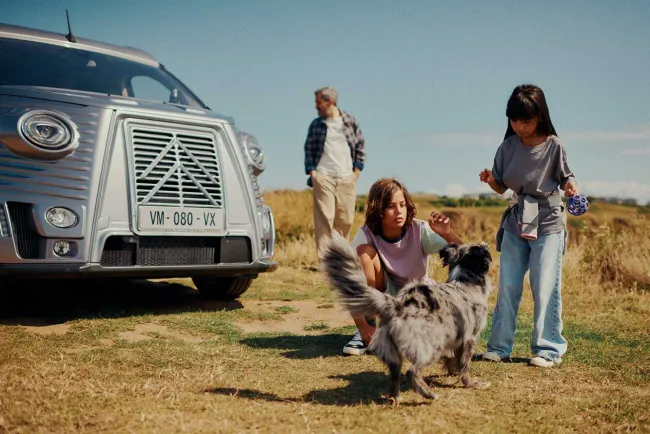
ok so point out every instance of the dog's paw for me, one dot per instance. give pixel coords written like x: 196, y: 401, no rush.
x: 394, y: 400
x: 426, y: 392
x: 429, y: 394
x: 474, y: 384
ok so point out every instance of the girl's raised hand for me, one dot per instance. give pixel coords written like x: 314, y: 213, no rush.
x: 486, y: 176
x: 439, y: 223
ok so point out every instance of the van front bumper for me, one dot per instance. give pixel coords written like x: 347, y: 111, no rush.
x: 146, y: 272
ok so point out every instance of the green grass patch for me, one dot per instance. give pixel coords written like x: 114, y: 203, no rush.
x: 194, y: 370
x: 320, y: 325
x: 284, y: 310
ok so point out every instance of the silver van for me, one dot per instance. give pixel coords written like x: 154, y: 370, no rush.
x: 111, y: 167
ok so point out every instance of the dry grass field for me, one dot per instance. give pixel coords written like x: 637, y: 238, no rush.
x: 149, y: 356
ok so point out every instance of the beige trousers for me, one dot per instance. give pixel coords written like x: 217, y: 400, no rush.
x: 334, y: 202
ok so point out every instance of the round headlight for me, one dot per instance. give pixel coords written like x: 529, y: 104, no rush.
x: 46, y: 131
x: 62, y: 248
x: 256, y: 155
x: 61, y: 217
x: 266, y: 223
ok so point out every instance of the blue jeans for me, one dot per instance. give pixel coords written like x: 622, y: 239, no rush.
x: 543, y: 257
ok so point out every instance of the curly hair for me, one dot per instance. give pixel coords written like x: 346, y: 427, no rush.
x: 379, y: 197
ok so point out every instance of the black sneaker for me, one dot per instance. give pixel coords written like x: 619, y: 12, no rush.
x: 356, y: 347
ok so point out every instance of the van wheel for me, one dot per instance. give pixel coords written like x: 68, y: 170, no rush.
x: 221, y: 288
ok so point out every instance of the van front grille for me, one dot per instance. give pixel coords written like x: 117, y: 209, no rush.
x: 171, y: 251
x: 175, y: 166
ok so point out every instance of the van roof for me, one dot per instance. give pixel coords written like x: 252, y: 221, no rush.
x: 34, y: 35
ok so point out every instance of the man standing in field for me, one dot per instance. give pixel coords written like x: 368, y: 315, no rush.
x: 334, y: 158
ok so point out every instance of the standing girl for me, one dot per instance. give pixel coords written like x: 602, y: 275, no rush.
x: 531, y: 162
x: 394, y: 247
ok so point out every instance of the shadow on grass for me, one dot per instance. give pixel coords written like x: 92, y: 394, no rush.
x: 362, y: 389
x: 301, y: 347
x: 325, y: 345
x: 478, y: 358
x: 51, y: 302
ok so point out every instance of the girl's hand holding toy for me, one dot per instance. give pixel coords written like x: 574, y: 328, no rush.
x: 570, y: 189
x: 576, y: 205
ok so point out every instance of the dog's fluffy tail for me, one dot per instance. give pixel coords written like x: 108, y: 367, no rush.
x: 342, y: 269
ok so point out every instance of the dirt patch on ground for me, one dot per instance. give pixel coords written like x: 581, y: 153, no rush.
x: 55, y: 329
x: 297, y: 317
x: 144, y: 332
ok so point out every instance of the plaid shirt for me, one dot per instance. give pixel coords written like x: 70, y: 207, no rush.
x: 316, y: 142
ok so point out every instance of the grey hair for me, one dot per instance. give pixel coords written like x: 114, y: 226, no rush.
x: 328, y: 94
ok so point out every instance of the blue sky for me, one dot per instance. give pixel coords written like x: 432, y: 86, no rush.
x: 428, y: 81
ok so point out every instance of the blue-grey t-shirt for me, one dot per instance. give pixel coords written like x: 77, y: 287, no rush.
x: 538, y: 171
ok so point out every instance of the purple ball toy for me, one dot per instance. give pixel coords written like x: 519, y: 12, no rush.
x: 577, y: 205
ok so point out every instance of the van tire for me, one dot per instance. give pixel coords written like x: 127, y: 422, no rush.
x: 221, y: 288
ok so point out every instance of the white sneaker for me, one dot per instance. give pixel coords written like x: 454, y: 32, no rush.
x: 356, y: 347
x: 543, y: 362
x: 491, y: 356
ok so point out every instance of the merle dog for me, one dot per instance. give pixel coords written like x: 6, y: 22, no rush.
x: 425, y: 322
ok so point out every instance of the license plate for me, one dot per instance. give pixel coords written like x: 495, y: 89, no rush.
x: 179, y: 219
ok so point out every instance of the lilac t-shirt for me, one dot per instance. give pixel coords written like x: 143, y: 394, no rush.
x: 406, y: 259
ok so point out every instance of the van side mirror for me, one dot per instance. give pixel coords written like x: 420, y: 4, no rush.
x: 173, y: 96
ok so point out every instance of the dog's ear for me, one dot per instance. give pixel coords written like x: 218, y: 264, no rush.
x: 486, y: 247
x: 449, y: 254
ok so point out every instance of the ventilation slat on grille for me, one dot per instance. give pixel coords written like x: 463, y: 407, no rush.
x: 26, y: 238
x: 139, y: 134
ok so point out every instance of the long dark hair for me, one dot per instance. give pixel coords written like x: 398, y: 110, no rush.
x: 527, y: 102
x: 379, y: 196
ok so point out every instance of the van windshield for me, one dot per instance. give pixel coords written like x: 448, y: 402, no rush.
x: 27, y: 63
